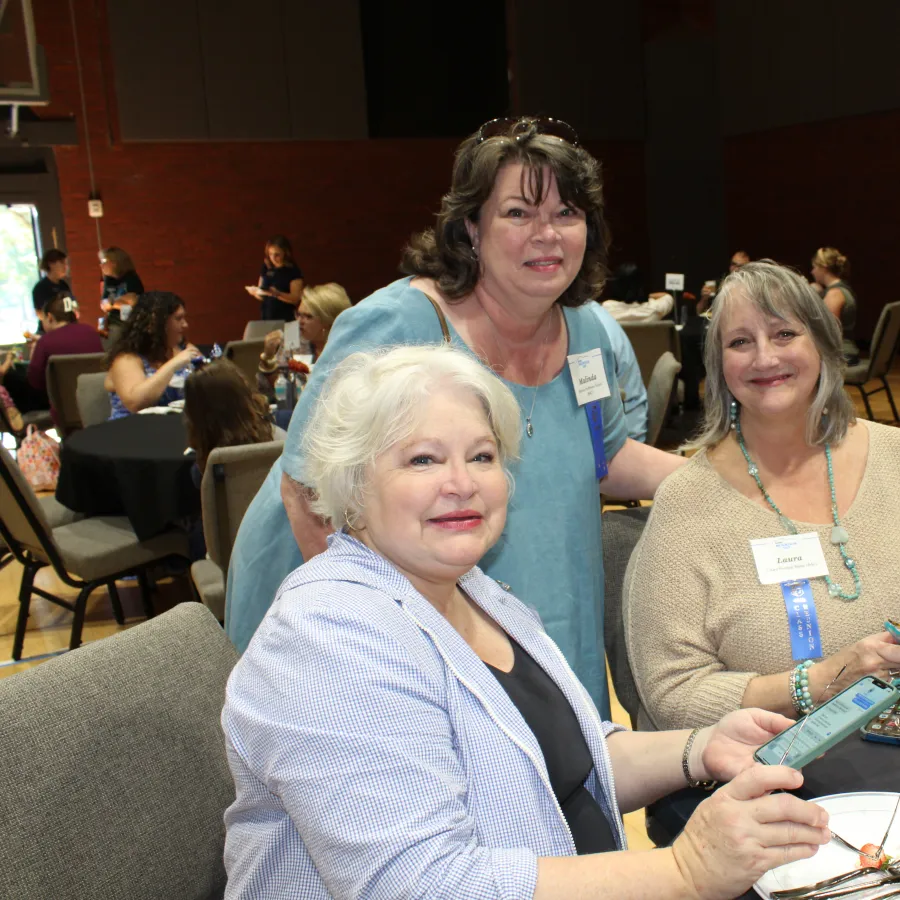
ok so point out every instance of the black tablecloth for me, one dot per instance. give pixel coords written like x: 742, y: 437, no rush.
x: 853, y: 765
x: 134, y: 467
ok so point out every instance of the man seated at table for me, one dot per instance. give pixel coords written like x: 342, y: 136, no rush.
x: 147, y: 366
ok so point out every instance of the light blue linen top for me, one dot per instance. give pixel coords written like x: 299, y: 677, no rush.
x: 628, y: 374
x: 375, y: 755
x: 549, y: 553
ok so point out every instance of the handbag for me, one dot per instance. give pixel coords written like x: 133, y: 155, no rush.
x: 38, y: 458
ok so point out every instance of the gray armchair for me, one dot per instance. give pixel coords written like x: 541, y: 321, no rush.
x: 115, y: 779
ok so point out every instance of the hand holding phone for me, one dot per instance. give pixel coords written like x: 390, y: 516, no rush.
x: 829, y: 723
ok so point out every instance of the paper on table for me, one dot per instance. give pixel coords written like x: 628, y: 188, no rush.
x: 291, y: 335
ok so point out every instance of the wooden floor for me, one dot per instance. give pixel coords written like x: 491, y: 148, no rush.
x: 49, y: 625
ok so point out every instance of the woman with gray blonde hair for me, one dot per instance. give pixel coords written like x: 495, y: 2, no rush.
x: 783, y: 464
x: 402, y: 726
x: 516, y: 254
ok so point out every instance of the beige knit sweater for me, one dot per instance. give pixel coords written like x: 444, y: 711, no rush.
x: 699, y: 625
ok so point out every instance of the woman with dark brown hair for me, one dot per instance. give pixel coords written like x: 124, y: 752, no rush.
x: 280, y: 286
x: 149, y: 361
x: 519, y: 248
x: 221, y: 409
x: 120, y: 288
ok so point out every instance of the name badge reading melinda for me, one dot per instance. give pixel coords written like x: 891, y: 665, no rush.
x: 588, y: 376
x: 791, y: 557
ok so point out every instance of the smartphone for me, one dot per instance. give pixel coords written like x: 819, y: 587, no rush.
x: 830, y: 723
x: 885, y: 727
x: 893, y: 629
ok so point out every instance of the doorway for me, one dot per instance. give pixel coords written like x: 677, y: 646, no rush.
x: 20, y: 252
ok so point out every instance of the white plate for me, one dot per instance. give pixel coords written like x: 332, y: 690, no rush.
x: 858, y: 818
x: 158, y: 410
x: 176, y: 404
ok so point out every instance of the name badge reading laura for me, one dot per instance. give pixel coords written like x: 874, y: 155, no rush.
x: 588, y: 376
x: 791, y: 557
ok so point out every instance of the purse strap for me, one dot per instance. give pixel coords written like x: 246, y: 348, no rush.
x: 445, y: 329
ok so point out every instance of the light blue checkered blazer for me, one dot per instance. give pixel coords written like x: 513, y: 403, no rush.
x: 376, y: 756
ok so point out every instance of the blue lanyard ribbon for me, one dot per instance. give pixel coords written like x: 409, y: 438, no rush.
x: 595, y: 423
x: 806, y: 642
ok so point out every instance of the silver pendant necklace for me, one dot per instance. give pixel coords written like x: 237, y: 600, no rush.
x: 529, y: 428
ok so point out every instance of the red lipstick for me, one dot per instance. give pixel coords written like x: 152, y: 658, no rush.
x: 458, y: 520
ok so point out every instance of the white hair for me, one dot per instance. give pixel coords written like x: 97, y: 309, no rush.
x: 374, y: 400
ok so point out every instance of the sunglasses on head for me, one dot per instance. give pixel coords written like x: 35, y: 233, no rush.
x: 518, y: 127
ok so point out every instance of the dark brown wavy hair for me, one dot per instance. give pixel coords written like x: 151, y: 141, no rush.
x: 144, y: 332
x: 445, y: 252
x: 221, y: 409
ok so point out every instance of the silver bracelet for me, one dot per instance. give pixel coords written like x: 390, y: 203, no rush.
x: 685, y: 767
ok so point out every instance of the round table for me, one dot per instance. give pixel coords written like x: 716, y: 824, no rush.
x: 853, y: 765
x: 136, y: 467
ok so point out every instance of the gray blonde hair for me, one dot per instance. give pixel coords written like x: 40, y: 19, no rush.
x: 374, y: 400
x: 777, y: 291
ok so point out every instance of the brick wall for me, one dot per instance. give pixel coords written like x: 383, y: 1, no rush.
x: 195, y: 216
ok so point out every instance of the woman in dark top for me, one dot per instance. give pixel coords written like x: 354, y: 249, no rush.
x: 829, y: 267
x: 280, y: 287
x: 401, y: 725
x: 120, y: 287
x: 65, y: 335
x: 55, y: 265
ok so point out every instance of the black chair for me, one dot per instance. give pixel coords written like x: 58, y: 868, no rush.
x: 881, y: 360
x: 84, y: 553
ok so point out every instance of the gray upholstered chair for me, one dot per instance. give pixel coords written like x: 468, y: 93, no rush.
x: 258, y: 329
x: 84, y: 554
x: 63, y: 373
x: 232, y: 478
x: 880, y: 361
x: 245, y: 355
x: 92, y: 399
x: 659, y: 395
x: 115, y: 779
x: 621, y: 530
x: 650, y: 340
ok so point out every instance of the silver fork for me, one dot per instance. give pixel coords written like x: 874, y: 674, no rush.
x: 824, y: 890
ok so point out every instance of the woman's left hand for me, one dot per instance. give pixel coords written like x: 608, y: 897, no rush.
x: 722, y: 751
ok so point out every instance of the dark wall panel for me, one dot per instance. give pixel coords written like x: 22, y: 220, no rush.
x: 582, y: 63
x: 785, y: 63
x: 685, y: 205
x: 865, y: 58
x: 326, y: 80
x: 244, y: 69
x: 158, y: 69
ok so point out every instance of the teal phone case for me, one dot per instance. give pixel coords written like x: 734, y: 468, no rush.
x: 893, y: 629
x: 799, y: 757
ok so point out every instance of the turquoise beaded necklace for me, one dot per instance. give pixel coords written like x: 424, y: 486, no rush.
x: 839, y: 534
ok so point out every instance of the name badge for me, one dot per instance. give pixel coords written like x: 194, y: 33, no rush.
x: 588, y: 376
x: 791, y: 557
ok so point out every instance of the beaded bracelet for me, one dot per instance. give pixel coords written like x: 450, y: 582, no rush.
x: 800, y: 696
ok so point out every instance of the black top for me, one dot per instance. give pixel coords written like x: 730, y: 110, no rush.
x: 553, y: 722
x: 45, y: 290
x: 280, y: 279
x: 114, y: 288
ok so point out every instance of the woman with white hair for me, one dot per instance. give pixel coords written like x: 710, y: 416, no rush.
x: 714, y: 620
x: 402, y: 726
